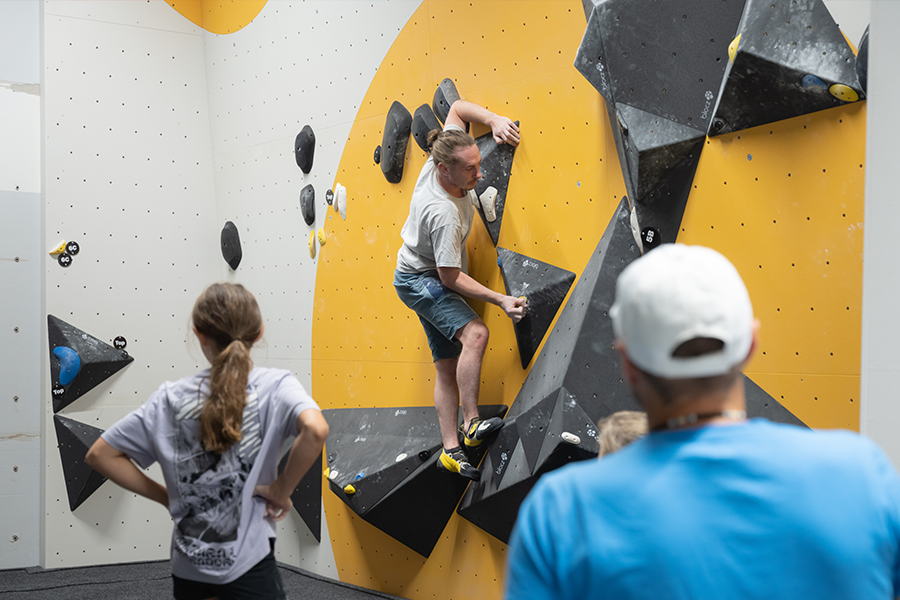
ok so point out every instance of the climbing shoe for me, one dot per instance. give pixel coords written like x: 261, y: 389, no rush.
x: 479, y: 429
x: 455, y: 461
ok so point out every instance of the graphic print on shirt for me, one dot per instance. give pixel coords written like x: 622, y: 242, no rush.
x: 211, y: 484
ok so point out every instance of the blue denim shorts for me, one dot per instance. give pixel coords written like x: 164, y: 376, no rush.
x: 442, y: 311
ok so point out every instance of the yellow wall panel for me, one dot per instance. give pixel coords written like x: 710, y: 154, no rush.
x: 784, y: 202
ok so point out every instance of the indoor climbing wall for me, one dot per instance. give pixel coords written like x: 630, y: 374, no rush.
x: 279, y: 149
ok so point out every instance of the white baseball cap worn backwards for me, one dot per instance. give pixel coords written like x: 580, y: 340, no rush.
x: 676, y: 293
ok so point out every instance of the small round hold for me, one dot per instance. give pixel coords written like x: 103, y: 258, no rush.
x: 570, y: 438
x: 349, y: 490
x: 359, y: 476
x: 378, y: 155
x: 73, y: 248
x: 844, y: 92
x: 811, y: 82
x: 120, y: 342
x: 650, y: 237
x: 718, y: 124
x: 329, y: 197
x: 401, y: 456
x: 333, y: 474
x: 331, y: 457
x: 58, y: 390
x: 64, y: 259
x: 424, y: 454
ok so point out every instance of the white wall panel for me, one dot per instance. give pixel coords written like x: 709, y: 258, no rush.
x: 129, y: 176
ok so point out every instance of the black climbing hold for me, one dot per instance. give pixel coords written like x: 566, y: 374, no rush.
x: 305, y: 148
x: 119, y: 343
x: 862, y: 60
x: 97, y: 361
x: 403, y: 493
x: 307, y: 496
x: 496, y: 168
x: 377, y: 156
x: 649, y: 238
x: 308, y: 203
x: 64, y: 259
x: 231, y: 245
x: 718, y: 124
x: 72, y: 248
x: 329, y: 197
x: 73, y: 440
x: 544, y: 287
x: 393, y: 144
x: 444, y: 97
x: 423, y: 122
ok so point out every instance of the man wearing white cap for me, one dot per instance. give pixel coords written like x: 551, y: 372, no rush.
x: 708, y: 505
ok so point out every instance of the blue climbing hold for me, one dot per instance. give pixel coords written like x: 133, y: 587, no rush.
x: 811, y: 82
x: 499, y: 263
x: 749, y: 157
x: 359, y: 476
x: 69, y: 364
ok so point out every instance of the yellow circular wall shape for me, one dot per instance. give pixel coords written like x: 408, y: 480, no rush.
x: 219, y: 16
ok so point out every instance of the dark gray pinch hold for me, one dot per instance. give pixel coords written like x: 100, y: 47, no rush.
x: 423, y: 122
x: 397, y: 126
x: 305, y: 148
x: 308, y: 203
x: 231, y: 245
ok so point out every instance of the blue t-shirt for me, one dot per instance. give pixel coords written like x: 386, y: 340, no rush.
x: 220, y: 531
x: 753, y: 510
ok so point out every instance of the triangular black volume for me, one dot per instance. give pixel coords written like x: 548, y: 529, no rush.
x: 544, y: 286
x: 307, y: 496
x: 666, y: 58
x: 397, y: 126
x: 424, y: 121
x: 416, y: 510
x: 662, y: 157
x: 73, y: 440
x: 533, y: 424
x: 570, y: 436
x: 305, y: 148
x: 444, y: 97
x: 591, y: 60
x: 761, y: 404
x: 492, y: 507
x: 496, y: 167
x: 788, y: 57
x: 578, y: 353
x: 307, y: 204
x: 78, y: 362
x: 230, y: 241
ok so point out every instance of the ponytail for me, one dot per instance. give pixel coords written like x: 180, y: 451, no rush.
x: 229, y: 316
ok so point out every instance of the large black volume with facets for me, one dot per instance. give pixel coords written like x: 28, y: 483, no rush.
x: 388, y: 456
x: 307, y: 496
x: 553, y: 433
x: 788, y: 57
x: 544, y: 287
x: 97, y: 361
x: 73, y: 440
x: 305, y: 148
x: 397, y: 126
x: 230, y: 241
x: 496, y: 167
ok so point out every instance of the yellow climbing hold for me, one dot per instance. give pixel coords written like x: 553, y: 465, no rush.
x: 321, y: 236
x: 59, y: 249
x: 312, y: 244
x: 732, y: 48
x: 349, y: 489
x: 326, y: 472
x: 844, y: 92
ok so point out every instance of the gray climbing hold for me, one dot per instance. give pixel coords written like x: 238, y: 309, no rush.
x: 231, y: 245
x: 423, y: 122
x: 444, y: 97
x: 308, y: 204
x: 393, y: 145
x: 305, y: 148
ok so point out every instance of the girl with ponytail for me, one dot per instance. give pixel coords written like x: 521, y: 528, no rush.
x: 218, y: 437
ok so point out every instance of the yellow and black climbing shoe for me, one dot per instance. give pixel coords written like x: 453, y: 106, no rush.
x: 479, y: 429
x: 455, y: 461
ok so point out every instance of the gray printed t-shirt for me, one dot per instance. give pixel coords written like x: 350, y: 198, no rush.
x: 220, y: 531
x: 438, y: 225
